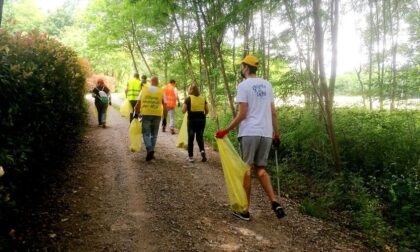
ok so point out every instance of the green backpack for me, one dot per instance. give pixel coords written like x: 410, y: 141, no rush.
x: 103, y: 97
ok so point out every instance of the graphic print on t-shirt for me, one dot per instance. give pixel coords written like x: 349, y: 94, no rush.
x: 260, y: 90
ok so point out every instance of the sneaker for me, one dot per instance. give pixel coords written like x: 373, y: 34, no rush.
x: 149, y: 156
x: 278, y: 210
x: 152, y: 153
x: 190, y: 159
x: 203, y: 156
x: 172, y: 131
x: 243, y: 216
x: 104, y: 125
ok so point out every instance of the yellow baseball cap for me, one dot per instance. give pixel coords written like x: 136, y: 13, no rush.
x: 250, y: 60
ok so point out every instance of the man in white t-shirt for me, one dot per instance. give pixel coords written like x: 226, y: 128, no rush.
x: 257, y: 120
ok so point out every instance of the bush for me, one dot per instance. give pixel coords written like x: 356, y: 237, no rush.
x: 378, y: 188
x: 42, y: 109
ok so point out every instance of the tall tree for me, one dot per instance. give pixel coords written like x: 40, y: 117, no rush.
x: 325, y: 102
x: 1, y: 10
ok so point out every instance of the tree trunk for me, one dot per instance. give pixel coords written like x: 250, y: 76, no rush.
x: 394, y: 53
x: 302, y: 57
x: 378, y: 56
x: 131, y: 49
x: 206, y: 68
x: 1, y: 10
x: 362, y: 88
x: 133, y: 27
x: 269, y: 42
x: 319, y: 45
x: 186, y: 50
x: 384, y: 42
x: 218, y: 53
x: 235, y: 74
x: 262, y: 64
x: 334, y: 34
x: 247, y: 28
x: 370, y: 49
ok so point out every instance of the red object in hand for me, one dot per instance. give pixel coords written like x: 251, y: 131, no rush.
x: 276, y: 141
x: 221, y: 133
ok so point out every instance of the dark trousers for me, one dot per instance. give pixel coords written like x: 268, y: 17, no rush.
x: 101, y: 108
x: 195, y: 128
x: 133, y: 103
x: 165, y: 114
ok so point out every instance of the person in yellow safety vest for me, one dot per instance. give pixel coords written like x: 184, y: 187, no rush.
x: 170, y: 93
x: 150, y: 105
x: 132, y: 92
x: 197, y: 109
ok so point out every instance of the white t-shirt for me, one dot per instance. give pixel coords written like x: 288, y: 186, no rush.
x: 258, y: 93
x: 151, y: 89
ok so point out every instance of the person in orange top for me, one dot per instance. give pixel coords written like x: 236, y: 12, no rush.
x: 170, y: 93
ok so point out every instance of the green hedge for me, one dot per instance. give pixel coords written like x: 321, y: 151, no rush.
x: 42, y: 109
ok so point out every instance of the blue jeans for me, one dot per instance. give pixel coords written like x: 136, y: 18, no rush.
x: 101, y: 108
x: 150, y: 129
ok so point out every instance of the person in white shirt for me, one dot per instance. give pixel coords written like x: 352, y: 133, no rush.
x: 257, y: 120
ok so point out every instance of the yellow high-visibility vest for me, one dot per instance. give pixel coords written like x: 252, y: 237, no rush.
x: 133, y: 90
x: 151, y: 103
x: 197, y: 103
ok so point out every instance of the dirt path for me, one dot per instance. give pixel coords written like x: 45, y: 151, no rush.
x: 115, y: 201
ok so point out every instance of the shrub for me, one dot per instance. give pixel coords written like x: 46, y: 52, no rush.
x: 42, y: 109
x: 378, y: 188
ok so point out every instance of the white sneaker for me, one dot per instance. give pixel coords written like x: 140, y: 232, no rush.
x: 190, y: 159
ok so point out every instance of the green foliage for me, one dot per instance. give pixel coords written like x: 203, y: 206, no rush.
x: 378, y: 188
x: 22, y: 15
x: 314, y: 208
x: 42, y: 109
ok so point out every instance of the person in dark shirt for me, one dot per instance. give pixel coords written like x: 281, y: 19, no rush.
x: 102, y: 96
x: 197, y: 109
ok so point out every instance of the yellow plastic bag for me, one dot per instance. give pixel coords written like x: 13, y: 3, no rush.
x: 126, y: 108
x: 234, y: 169
x: 134, y: 133
x: 182, y: 140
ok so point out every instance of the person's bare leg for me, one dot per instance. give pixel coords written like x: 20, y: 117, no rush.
x: 247, y: 186
x: 265, y: 181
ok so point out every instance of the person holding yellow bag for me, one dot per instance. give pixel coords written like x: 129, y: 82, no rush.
x: 197, y: 109
x: 132, y: 92
x: 257, y: 120
x: 150, y: 105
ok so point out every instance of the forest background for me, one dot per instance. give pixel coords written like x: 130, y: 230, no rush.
x: 348, y: 115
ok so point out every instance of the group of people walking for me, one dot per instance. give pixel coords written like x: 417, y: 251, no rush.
x: 256, y: 118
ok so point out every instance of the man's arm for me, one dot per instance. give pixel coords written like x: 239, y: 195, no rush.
x: 137, y: 107
x: 177, y: 96
x: 243, y: 110
x: 138, y: 104
x: 184, y: 108
x: 274, y: 118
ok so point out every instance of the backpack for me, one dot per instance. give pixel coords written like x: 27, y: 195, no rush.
x: 103, y: 97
